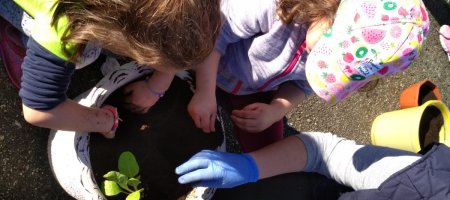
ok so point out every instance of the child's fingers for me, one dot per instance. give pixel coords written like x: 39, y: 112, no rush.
x: 108, y: 106
x: 246, y: 114
x: 109, y: 135
x: 202, y: 124
x: 245, y: 124
x: 253, y: 106
x: 212, y: 122
x: 206, y: 124
x: 197, y: 121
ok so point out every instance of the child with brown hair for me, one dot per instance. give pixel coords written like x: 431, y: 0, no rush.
x: 270, y: 55
x: 168, y: 36
x: 259, y: 56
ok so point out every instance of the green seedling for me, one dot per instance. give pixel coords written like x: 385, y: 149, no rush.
x: 126, y: 180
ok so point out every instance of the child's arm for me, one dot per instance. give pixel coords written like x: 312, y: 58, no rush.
x: 71, y: 116
x: 142, y: 95
x: 288, y: 96
x: 227, y: 170
x: 203, y: 105
x: 258, y: 116
x: 357, y: 166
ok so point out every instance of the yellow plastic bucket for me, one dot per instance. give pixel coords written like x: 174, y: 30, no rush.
x: 400, y: 128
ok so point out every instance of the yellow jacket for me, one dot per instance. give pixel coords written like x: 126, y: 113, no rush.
x: 43, y: 32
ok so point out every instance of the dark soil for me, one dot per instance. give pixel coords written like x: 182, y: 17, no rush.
x: 430, y: 124
x: 161, y: 140
x: 426, y: 93
x: 159, y: 146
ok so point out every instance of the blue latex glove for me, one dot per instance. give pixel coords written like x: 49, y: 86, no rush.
x: 218, y: 169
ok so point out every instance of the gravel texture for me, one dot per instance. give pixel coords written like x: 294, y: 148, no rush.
x: 25, y: 170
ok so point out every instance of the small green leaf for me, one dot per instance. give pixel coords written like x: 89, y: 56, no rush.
x: 133, y: 182
x: 123, y: 182
x: 112, y: 176
x: 134, y: 196
x: 128, y: 164
x: 111, y: 188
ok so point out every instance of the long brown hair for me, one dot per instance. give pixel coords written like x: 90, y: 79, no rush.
x: 307, y: 11
x: 178, y: 33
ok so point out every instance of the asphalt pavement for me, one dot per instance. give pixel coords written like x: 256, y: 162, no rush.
x: 25, y: 170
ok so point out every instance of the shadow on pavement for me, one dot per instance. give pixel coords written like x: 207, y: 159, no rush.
x: 440, y: 9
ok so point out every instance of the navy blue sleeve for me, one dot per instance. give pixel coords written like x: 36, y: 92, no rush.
x: 45, y: 78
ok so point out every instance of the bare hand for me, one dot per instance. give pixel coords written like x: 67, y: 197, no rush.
x: 203, y: 110
x: 254, y: 117
x: 115, y: 119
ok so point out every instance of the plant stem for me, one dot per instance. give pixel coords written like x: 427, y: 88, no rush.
x: 127, y: 189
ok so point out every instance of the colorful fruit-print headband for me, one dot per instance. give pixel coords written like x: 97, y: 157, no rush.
x: 369, y: 39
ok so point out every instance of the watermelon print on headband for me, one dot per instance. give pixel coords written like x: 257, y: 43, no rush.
x: 369, y: 39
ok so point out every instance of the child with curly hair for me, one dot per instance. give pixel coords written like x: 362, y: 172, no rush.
x: 168, y: 36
